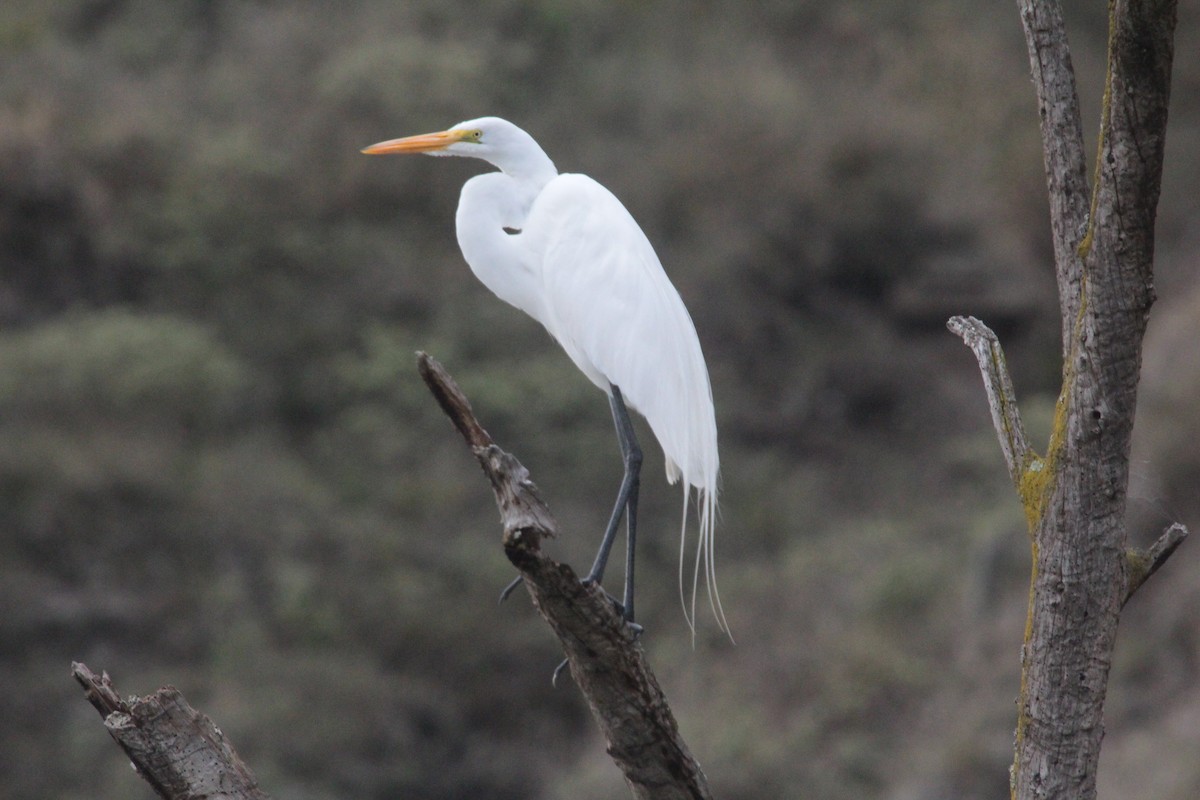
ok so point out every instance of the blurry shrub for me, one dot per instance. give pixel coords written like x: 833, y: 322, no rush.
x: 1169, y: 467
x: 125, y: 365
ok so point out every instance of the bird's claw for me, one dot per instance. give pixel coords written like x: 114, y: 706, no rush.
x: 587, y: 582
x: 634, y: 628
x: 617, y: 604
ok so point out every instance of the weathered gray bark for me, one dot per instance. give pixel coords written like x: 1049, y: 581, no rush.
x: 173, y: 747
x: 606, y: 661
x: 1074, y: 497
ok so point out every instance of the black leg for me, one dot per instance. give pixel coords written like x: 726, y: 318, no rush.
x: 627, y: 498
x: 631, y: 525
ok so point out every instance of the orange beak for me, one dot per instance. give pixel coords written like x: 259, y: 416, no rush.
x: 424, y: 143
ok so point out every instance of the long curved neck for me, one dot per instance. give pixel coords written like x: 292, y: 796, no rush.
x: 524, y: 161
x: 490, y: 206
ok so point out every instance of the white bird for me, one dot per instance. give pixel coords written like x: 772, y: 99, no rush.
x: 564, y: 250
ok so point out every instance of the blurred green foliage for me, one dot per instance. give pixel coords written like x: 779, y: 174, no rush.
x: 131, y: 367
x: 219, y: 469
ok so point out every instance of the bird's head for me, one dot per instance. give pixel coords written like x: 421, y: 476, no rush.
x: 492, y: 139
x: 477, y: 138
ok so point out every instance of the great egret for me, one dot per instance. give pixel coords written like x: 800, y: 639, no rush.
x: 563, y: 249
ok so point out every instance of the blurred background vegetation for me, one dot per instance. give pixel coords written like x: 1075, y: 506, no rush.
x: 218, y: 468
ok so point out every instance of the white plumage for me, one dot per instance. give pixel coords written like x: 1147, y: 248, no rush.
x: 564, y: 250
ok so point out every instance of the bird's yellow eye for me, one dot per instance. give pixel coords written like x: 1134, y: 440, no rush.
x: 474, y: 136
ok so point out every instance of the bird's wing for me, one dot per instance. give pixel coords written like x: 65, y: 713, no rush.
x: 613, y: 309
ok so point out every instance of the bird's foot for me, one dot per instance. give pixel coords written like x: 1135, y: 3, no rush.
x: 635, y: 628
x: 617, y: 604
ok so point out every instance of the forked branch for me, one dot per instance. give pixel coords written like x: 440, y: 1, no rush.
x: 606, y: 661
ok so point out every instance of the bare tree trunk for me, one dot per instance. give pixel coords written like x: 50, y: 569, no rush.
x: 1074, y: 496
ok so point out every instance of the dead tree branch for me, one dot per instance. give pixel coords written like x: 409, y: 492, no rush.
x: 1001, y: 397
x: 1144, y: 563
x: 182, y: 755
x: 173, y: 747
x: 606, y: 661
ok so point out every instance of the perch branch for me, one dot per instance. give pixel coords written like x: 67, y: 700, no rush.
x: 605, y: 659
x: 1002, y: 399
x: 173, y: 747
x: 1144, y: 563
